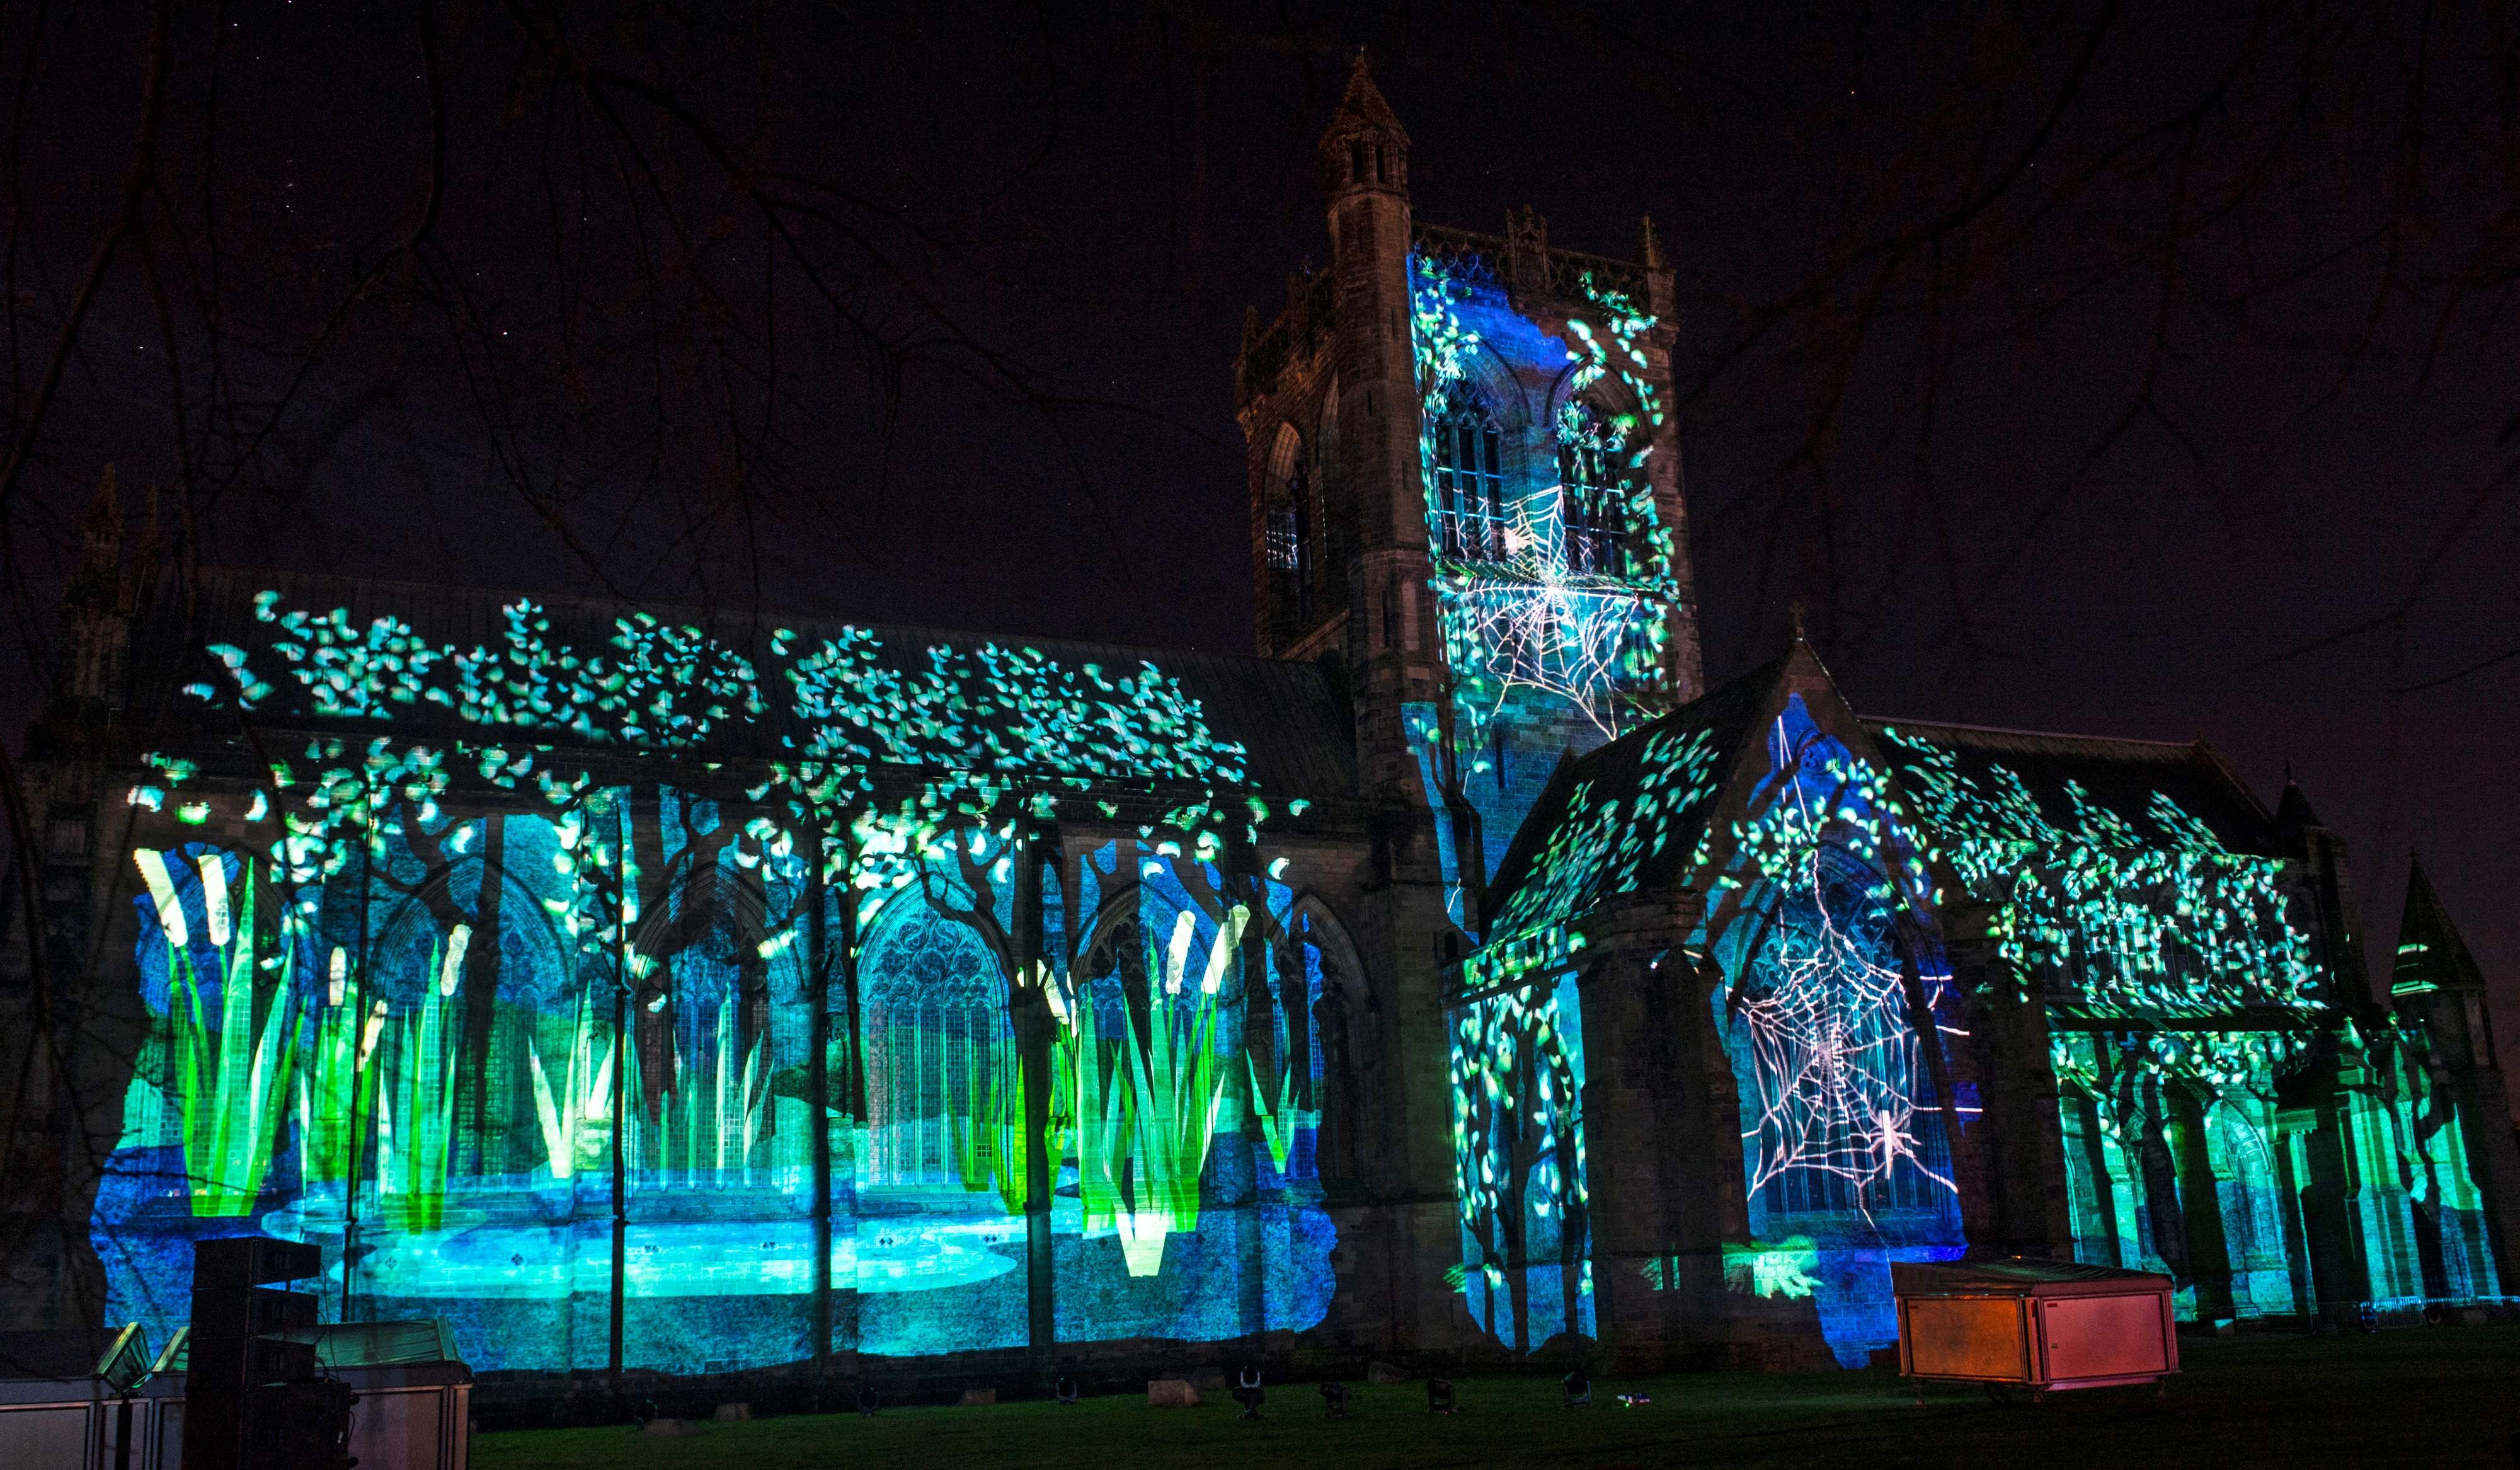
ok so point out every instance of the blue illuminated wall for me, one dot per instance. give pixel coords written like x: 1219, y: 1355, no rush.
x: 1554, y: 602
x: 1832, y: 1006
x: 471, y: 1176
x: 1517, y: 1086
x: 418, y: 996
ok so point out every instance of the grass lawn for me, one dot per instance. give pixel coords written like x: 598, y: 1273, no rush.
x: 2416, y: 1397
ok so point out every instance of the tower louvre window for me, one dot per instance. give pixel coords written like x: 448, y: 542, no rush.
x: 1356, y: 159
x: 1286, y: 551
x: 69, y: 834
x: 1289, y: 549
x: 1469, y: 484
x: 1594, y: 485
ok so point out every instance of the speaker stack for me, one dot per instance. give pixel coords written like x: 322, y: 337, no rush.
x: 252, y: 1396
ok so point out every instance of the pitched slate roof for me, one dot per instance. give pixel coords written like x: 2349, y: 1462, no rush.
x: 1631, y: 815
x: 2124, y: 776
x: 1626, y: 815
x: 1291, y: 719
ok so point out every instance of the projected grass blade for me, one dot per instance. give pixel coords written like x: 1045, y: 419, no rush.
x: 708, y: 1122
x: 415, y: 1112
x: 1283, y: 1118
x: 1101, y: 1123
x: 574, y: 1121
x: 990, y: 1134
x: 232, y: 1082
x: 337, y: 1094
x: 1177, y: 1094
x: 1280, y: 1120
x: 1148, y: 1120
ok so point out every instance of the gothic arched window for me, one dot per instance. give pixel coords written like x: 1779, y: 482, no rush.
x: 1592, y: 469
x: 1291, y: 532
x: 1469, y: 483
x: 1838, y: 1110
x: 938, y: 1039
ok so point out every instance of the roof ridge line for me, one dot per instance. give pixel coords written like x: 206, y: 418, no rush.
x: 770, y: 620
x: 1955, y: 725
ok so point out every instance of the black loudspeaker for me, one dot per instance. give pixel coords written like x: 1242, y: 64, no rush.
x: 239, y: 1373
x: 302, y: 1426
x: 253, y: 1261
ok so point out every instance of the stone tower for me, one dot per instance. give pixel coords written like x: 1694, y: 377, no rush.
x: 1465, y: 481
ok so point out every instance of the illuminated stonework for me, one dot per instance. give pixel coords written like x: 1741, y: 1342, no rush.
x: 1518, y: 1164
x: 1517, y: 609
x: 546, y: 919
x: 716, y: 997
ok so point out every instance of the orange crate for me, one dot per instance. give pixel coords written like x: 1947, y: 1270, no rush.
x: 2040, y: 1324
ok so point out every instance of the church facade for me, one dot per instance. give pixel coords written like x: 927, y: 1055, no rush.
x: 1457, y: 981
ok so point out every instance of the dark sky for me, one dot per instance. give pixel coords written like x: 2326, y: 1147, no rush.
x: 2070, y: 362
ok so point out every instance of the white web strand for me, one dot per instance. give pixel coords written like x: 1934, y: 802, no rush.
x: 1545, y: 627
x: 1834, y: 1057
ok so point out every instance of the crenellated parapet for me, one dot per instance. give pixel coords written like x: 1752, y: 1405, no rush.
x: 1294, y: 347
x: 1541, y: 276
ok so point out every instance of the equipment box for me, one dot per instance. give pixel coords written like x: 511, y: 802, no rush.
x: 63, y: 1394
x: 2039, y: 1324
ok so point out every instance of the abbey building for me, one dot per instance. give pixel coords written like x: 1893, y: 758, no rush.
x: 1458, y: 979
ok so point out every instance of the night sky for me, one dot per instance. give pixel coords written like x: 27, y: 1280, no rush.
x: 2142, y: 373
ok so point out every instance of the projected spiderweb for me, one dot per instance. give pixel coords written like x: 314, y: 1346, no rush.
x: 1831, y: 1115
x: 1531, y: 622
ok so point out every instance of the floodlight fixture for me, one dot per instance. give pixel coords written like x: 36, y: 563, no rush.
x: 1247, y: 1390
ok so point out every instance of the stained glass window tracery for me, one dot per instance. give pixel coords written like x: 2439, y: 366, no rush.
x: 937, y: 1033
